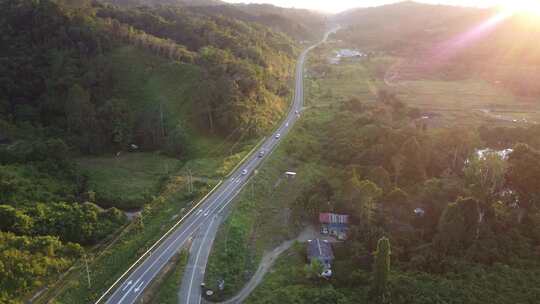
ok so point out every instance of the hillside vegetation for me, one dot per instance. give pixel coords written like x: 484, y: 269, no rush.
x: 82, y: 82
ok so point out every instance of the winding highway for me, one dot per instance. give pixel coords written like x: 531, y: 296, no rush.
x: 207, y: 215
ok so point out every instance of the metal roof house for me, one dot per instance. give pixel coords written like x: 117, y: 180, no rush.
x: 321, y: 250
x: 334, y: 224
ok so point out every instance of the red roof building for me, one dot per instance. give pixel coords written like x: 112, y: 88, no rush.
x: 333, y: 218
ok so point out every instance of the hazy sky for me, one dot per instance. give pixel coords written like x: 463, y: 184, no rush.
x: 341, y: 5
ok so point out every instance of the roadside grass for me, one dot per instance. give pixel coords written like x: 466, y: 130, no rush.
x: 259, y: 222
x: 168, y: 290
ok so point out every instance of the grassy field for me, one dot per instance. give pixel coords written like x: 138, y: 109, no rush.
x: 127, y: 181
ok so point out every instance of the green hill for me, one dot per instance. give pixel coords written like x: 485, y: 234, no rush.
x: 83, y: 85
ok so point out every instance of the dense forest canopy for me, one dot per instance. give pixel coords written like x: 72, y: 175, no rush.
x: 477, y: 213
x: 64, y: 91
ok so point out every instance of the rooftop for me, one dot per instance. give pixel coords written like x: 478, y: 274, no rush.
x: 333, y: 218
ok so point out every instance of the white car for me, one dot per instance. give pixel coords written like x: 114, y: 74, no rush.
x: 296, y: 112
x: 261, y: 153
x: 287, y: 124
x: 278, y: 136
x: 244, y: 172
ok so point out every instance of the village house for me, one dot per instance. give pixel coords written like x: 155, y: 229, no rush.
x: 333, y: 224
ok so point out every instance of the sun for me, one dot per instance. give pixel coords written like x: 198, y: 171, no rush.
x: 513, y: 7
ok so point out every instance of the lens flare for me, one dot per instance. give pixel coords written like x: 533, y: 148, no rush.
x: 530, y: 7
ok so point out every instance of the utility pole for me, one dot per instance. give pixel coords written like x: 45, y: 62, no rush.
x: 161, y: 119
x: 87, y: 271
x: 190, y: 181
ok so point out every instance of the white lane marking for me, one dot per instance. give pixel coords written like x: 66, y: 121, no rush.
x: 127, y: 285
x: 168, y: 247
x: 138, y: 287
x: 200, y: 224
x: 197, y: 260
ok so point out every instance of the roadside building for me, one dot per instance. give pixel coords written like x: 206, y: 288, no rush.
x: 333, y: 224
x: 321, y: 250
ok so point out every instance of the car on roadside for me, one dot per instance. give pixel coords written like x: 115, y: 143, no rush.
x: 244, y: 172
x: 278, y: 136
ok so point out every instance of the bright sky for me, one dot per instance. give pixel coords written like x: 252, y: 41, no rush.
x: 334, y: 6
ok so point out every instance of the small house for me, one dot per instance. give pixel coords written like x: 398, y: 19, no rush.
x: 333, y: 224
x: 320, y: 250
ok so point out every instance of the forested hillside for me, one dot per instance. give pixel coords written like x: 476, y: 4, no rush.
x: 93, y: 79
x: 455, y: 42
x: 300, y: 24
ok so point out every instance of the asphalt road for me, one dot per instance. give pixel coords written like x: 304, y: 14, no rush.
x: 190, y: 291
x: 207, y: 212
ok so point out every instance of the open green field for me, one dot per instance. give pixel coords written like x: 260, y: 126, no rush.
x: 468, y: 101
x: 474, y: 97
x: 129, y: 180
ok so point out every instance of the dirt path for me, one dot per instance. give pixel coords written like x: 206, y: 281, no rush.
x: 267, y: 261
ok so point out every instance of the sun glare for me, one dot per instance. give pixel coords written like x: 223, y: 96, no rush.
x: 512, y: 7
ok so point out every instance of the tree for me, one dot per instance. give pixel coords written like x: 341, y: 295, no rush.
x: 458, y: 226
x: 485, y: 176
x: 13, y: 220
x: 314, y: 269
x: 177, y: 144
x: 369, y: 194
x: 379, y: 290
x: 414, y: 169
x: 523, y: 175
x: 381, y: 177
x: 396, y: 203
